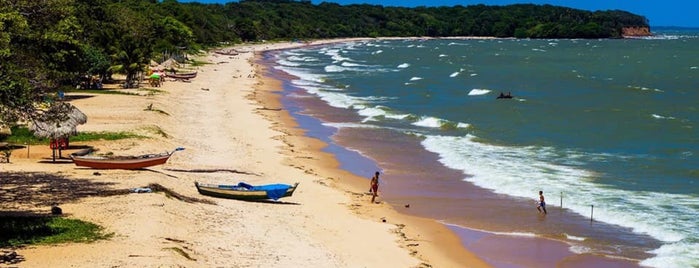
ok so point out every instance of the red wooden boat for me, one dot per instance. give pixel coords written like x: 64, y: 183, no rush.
x: 122, y: 162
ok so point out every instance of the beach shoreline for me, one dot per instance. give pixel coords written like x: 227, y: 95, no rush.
x: 233, y: 125
x: 425, y: 238
x: 557, y: 251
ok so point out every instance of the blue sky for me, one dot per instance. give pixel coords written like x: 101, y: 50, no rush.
x: 659, y: 12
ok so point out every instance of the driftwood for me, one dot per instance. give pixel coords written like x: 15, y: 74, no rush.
x: 82, y: 152
x: 212, y: 171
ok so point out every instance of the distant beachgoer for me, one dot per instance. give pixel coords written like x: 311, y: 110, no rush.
x: 374, y: 186
x: 542, y: 203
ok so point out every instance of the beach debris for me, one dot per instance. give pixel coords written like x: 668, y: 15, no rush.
x: 10, y: 257
x: 140, y: 190
x: 212, y: 171
x: 82, y: 152
x: 383, y: 219
x: 56, y: 210
x: 172, y: 194
x: 175, y: 240
x: 205, y: 89
x: 181, y: 252
x: 96, y: 173
x: 407, y: 205
x: 269, y: 109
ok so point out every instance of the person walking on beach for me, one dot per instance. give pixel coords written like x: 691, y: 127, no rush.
x: 542, y: 203
x: 374, y: 188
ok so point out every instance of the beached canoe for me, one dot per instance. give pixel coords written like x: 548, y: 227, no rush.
x: 244, y: 191
x: 183, y: 76
x: 122, y: 162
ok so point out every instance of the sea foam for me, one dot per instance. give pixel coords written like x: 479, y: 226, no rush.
x: 430, y: 122
x: 657, y: 116
x: 516, y: 171
x: 334, y: 69
x: 288, y: 63
x: 478, y: 92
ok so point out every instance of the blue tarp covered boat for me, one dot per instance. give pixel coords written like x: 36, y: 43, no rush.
x: 244, y: 191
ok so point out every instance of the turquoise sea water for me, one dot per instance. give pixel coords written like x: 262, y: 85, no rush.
x: 612, y: 124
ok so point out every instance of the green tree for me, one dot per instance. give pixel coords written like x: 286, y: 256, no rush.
x: 132, y: 39
x: 38, y: 50
x: 172, y: 34
x: 95, y: 61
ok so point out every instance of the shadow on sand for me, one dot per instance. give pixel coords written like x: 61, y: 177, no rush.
x: 34, y: 189
x: 20, y: 191
x: 269, y: 201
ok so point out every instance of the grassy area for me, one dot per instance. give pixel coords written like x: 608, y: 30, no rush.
x: 22, y: 135
x: 197, y: 63
x: 149, y: 91
x: 102, y: 91
x: 104, y: 135
x: 31, y: 230
x: 152, y: 91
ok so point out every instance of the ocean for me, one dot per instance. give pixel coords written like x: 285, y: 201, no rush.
x: 608, y: 129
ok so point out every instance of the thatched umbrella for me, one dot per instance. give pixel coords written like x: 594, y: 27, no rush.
x: 59, y: 122
x: 169, y: 64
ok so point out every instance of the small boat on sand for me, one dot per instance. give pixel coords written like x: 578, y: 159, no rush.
x: 244, y: 191
x: 182, y: 76
x: 122, y: 162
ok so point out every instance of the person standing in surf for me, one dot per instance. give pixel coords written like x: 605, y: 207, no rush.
x: 374, y: 188
x: 542, y: 203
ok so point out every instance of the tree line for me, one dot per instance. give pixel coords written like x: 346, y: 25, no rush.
x: 50, y: 43
x: 272, y: 19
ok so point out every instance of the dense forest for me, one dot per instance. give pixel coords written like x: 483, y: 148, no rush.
x: 50, y: 43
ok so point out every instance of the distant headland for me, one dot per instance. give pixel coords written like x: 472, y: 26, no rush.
x: 284, y: 19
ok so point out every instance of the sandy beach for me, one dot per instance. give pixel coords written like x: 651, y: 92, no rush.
x: 229, y: 120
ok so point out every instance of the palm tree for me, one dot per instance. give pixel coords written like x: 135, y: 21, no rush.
x: 133, y: 36
x: 130, y: 59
